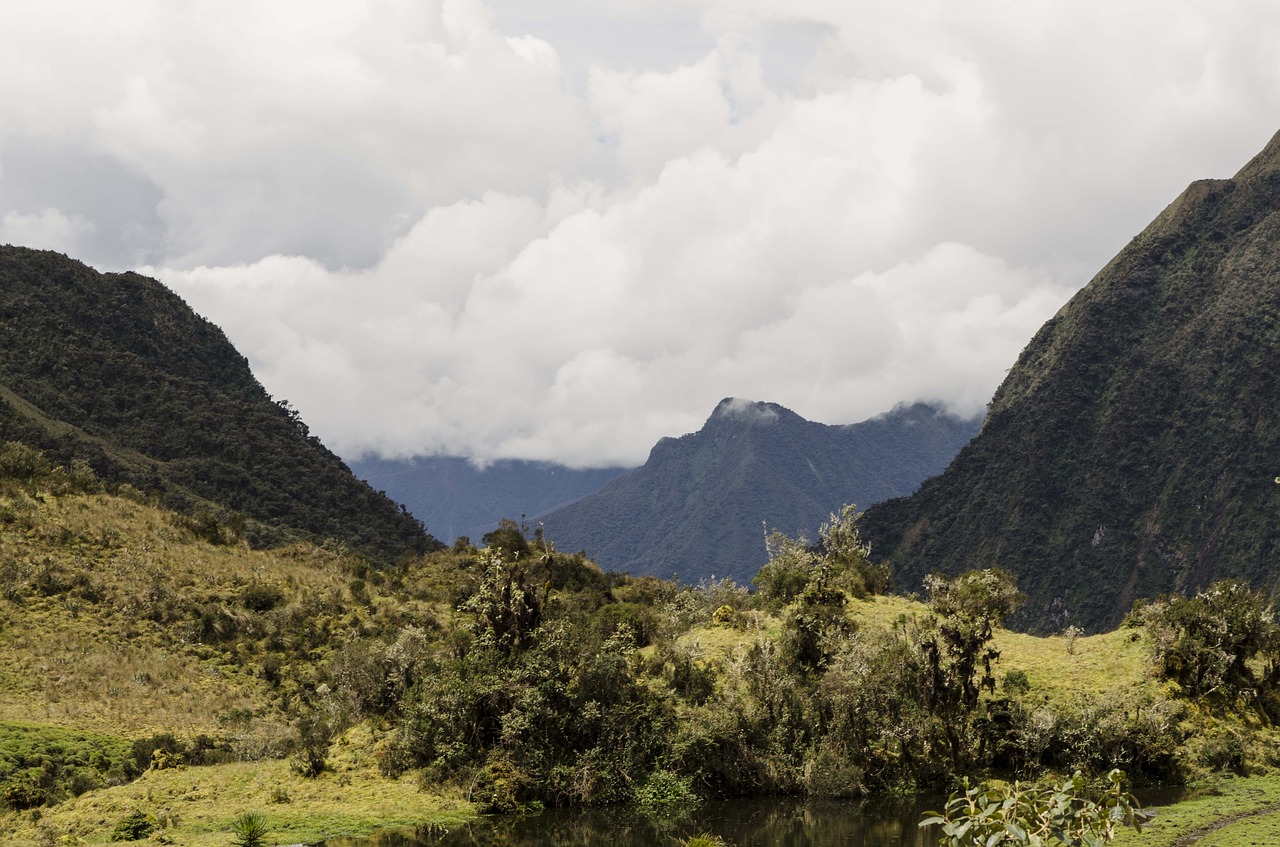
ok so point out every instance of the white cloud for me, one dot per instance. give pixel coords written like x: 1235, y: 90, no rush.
x: 48, y: 229
x: 564, y: 233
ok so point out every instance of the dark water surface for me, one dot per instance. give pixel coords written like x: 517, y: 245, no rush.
x: 769, y: 822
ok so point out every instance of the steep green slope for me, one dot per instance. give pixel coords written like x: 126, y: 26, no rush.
x: 699, y: 506
x: 117, y: 370
x: 1132, y: 449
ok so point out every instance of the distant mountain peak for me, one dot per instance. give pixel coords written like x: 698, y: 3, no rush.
x: 751, y: 411
x: 695, y: 509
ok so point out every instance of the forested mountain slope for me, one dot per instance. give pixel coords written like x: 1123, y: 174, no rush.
x: 1133, y: 448
x: 700, y: 505
x: 117, y: 370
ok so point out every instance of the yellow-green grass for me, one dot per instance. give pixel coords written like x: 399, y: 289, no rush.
x: 197, y: 805
x: 1092, y: 666
x: 1057, y: 667
x: 103, y: 655
x: 1237, y: 812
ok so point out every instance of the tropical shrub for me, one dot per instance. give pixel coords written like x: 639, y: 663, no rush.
x: 990, y: 815
x: 1208, y: 643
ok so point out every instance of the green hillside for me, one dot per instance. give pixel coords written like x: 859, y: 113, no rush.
x: 149, y: 677
x: 1131, y: 451
x: 117, y: 370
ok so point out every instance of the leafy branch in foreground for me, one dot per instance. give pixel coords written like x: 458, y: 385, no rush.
x: 995, y: 815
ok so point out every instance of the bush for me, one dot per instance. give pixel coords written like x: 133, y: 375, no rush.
x: 22, y: 464
x: 261, y: 597
x: 989, y: 815
x: 40, y: 765
x: 135, y: 826
x: 665, y: 794
x: 249, y: 830
x: 1206, y: 643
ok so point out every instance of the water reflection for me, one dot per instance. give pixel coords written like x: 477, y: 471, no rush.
x: 744, y: 823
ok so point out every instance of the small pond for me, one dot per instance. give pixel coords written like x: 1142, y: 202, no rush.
x: 771, y: 822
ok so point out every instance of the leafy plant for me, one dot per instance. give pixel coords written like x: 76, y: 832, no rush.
x: 1063, y: 816
x: 665, y: 794
x: 1205, y: 643
x: 249, y: 830
x: 135, y: 826
x: 704, y: 839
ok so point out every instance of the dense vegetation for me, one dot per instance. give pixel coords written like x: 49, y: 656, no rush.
x: 1131, y: 450
x: 515, y: 675
x: 695, y: 509
x: 116, y: 370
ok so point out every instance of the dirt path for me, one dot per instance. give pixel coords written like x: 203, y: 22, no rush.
x: 1196, y: 834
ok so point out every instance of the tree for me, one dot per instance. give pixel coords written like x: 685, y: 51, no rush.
x: 1206, y: 643
x: 506, y: 604
x: 955, y: 648
x: 840, y: 551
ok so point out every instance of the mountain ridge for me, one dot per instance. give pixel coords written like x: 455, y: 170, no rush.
x: 1127, y: 453
x: 116, y: 370
x: 702, y: 502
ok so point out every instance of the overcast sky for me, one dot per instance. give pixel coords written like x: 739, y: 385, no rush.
x: 563, y: 229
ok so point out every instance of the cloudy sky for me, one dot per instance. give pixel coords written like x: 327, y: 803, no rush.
x: 563, y: 229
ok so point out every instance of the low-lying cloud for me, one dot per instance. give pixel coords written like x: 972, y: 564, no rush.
x: 447, y: 227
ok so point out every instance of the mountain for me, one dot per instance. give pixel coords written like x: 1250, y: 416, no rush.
x: 455, y: 497
x: 700, y: 505
x: 1132, y: 449
x: 118, y: 371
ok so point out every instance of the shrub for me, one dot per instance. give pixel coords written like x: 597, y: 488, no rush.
x: 261, y: 597
x: 665, y: 794
x: 704, y: 839
x: 1016, y: 682
x: 249, y: 830
x: 989, y: 815
x: 1205, y: 643
x: 134, y: 827
x: 22, y: 464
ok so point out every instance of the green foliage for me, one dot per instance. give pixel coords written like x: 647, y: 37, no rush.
x: 956, y: 653
x: 840, y: 553
x: 791, y: 564
x: 815, y: 617
x: 997, y: 815
x: 133, y: 827
x: 704, y: 839
x: 22, y: 465
x: 113, y: 376
x: 311, y: 747
x: 665, y: 794
x: 849, y: 556
x: 1129, y: 451
x: 506, y: 605
x: 249, y: 829
x: 507, y: 540
x: 44, y: 765
x: 1208, y: 643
